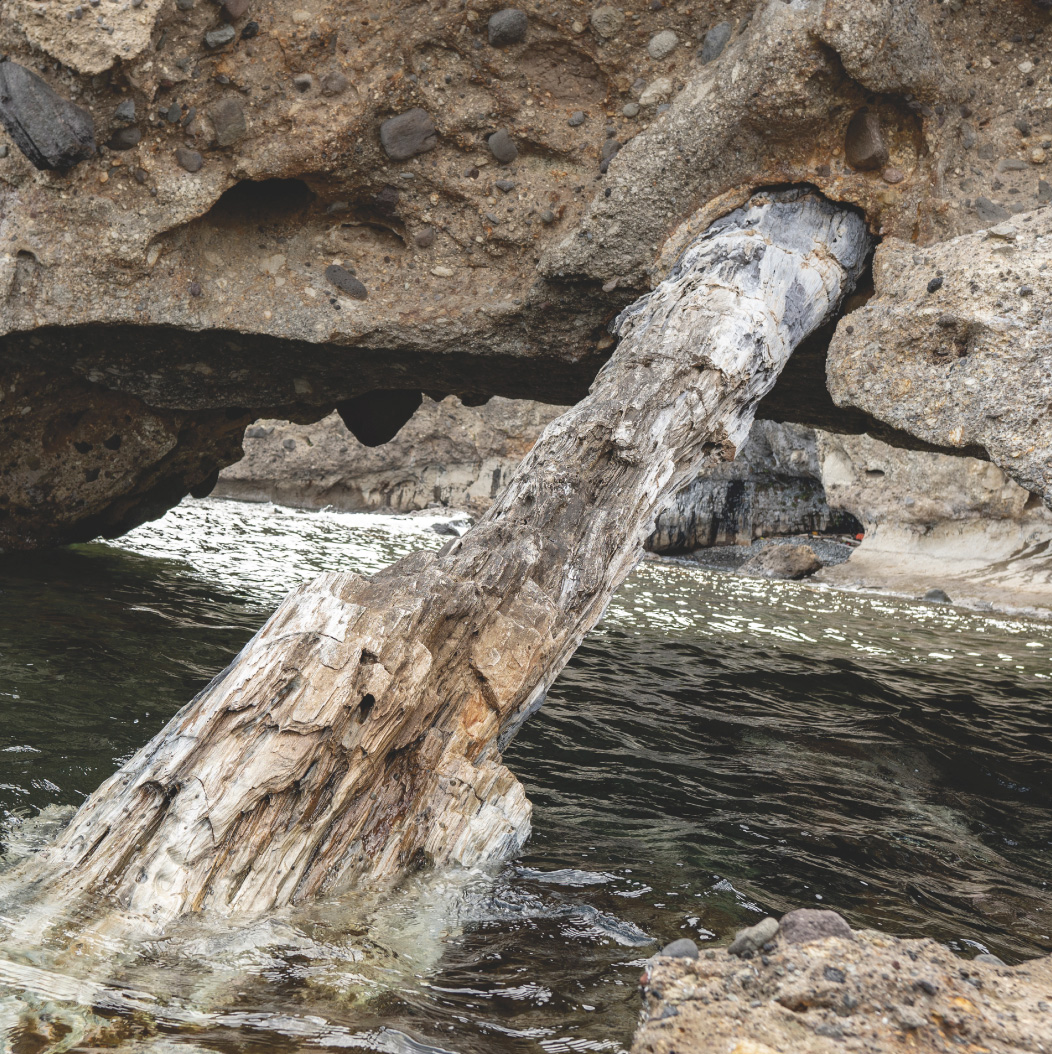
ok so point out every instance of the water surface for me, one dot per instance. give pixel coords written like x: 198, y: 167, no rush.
x: 720, y: 748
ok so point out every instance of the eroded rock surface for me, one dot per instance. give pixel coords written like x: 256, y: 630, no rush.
x: 862, y: 992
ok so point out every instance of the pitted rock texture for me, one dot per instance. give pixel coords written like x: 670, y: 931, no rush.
x: 867, y: 992
x: 250, y: 167
x: 954, y: 347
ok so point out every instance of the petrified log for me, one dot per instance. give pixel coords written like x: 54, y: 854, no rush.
x: 358, y: 734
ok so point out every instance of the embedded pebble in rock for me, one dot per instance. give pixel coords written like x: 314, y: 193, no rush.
x: 507, y: 27
x: 607, y: 21
x: 753, y: 938
x: 935, y: 284
x: 894, y: 175
x: 174, y: 113
x: 656, y: 92
x: 502, y: 147
x: 684, y: 948
x: 1038, y: 156
x: 251, y: 30
x: 937, y: 596
x: 4, y: 151
x: 124, y: 139
x: 662, y: 44
x: 303, y: 82
x: 630, y: 109
x: 189, y: 159
x: 989, y: 211
x: 813, y: 924
x: 228, y: 120
x: 1004, y: 231
x: 235, y: 9
x: 425, y: 237
x: 51, y: 131
x: 217, y: 38
x: 408, y: 134
x: 547, y: 216
x: 715, y: 41
x: 125, y: 112
x: 346, y: 282
x: 334, y: 83
x: 864, y: 146
x: 610, y: 148
x: 504, y: 185
x: 576, y: 119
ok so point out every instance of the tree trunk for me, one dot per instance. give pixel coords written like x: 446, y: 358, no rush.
x: 358, y: 734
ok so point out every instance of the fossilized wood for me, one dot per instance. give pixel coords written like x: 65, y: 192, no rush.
x: 359, y: 733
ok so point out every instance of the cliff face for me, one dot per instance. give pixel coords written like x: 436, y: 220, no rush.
x: 216, y: 213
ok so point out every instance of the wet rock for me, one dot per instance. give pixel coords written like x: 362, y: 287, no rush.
x: 783, y: 561
x: 662, y: 44
x: 408, y: 134
x: 220, y: 37
x: 576, y: 119
x: 753, y: 938
x: 188, y: 159
x: 51, y: 131
x: 684, y: 948
x: 228, y: 120
x: 334, y: 83
x: 346, y: 282
x: 502, y: 147
x: 864, y: 146
x: 607, y: 21
x: 125, y: 138
x: 937, y: 596
x: 812, y: 924
x: 715, y: 41
x: 507, y: 27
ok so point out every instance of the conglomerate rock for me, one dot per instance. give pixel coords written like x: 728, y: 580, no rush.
x: 183, y: 267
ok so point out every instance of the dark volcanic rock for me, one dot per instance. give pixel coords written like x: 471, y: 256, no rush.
x: 864, y: 146
x: 125, y: 112
x: 812, y: 924
x: 124, y: 138
x: 346, y: 282
x: 502, y: 147
x: 715, y: 41
x: 217, y: 38
x: 408, y: 134
x: 507, y: 27
x: 228, y: 119
x: 51, y: 131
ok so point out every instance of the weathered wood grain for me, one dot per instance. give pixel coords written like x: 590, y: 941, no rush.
x: 359, y: 733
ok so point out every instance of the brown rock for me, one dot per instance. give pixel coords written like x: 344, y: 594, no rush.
x: 813, y: 924
x: 408, y: 134
x: 864, y: 145
x: 783, y: 561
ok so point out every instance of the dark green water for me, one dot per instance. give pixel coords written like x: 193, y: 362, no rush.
x: 719, y: 749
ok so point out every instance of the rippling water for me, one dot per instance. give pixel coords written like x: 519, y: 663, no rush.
x: 718, y: 749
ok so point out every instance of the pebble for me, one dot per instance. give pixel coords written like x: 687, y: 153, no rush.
x: 864, y: 147
x: 125, y: 112
x: 442, y: 272
x: 989, y: 211
x: 217, y: 38
x: 715, y: 41
x: 492, y: 217
x: 235, y: 9
x: 662, y: 44
x: 504, y: 185
x: 228, y: 119
x: 989, y: 959
x: 1011, y: 164
x: 251, y: 30
x: 408, y: 134
x: 51, y: 131
x: 1005, y: 231
x: 502, y: 147
x: 894, y: 175
x: 125, y: 138
x: 195, y: 289
x: 610, y: 148
x: 684, y: 948
x: 576, y: 119
x: 174, y: 113
x: 656, y: 92
x: 547, y: 216
x: 334, y: 83
x: 607, y: 21
x: 1037, y: 156
x: 507, y: 27
x: 346, y: 282
x: 4, y: 150
x: 425, y: 237
x: 753, y: 938
x: 188, y: 159
x: 813, y: 924
x: 303, y: 82
x: 301, y: 16
x: 630, y: 109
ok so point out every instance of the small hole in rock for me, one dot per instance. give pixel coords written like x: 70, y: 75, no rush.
x: 365, y: 708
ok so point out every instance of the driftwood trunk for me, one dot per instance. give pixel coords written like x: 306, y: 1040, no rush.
x: 359, y: 733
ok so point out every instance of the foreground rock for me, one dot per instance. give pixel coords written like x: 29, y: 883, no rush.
x: 805, y: 992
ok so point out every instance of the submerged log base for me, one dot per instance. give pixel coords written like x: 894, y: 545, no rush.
x: 359, y: 733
